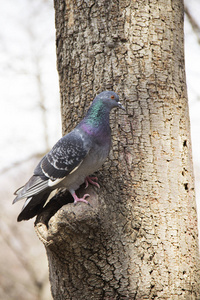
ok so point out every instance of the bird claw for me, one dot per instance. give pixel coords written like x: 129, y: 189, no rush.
x: 91, y: 181
x: 77, y: 199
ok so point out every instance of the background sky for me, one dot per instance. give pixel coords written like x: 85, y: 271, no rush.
x: 28, y: 77
x: 192, y: 62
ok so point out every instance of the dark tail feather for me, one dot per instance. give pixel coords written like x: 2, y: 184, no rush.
x: 35, y: 185
x: 32, y: 206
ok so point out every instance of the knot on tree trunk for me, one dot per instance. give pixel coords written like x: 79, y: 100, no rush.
x: 85, y: 246
x: 60, y: 218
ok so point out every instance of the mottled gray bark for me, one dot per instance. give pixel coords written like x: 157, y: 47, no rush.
x: 139, y: 238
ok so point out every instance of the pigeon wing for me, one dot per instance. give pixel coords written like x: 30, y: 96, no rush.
x: 64, y: 158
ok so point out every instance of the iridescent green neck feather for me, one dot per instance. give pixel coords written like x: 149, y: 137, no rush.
x: 97, y: 114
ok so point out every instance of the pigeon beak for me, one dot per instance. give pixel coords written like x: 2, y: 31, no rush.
x: 121, y: 106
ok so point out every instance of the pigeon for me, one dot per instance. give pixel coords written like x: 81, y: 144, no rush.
x: 72, y: 159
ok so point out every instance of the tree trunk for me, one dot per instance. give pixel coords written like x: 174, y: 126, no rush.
x: 139, y: 239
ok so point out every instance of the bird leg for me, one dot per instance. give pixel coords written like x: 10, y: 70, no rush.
x: 77, y: 199
x: 91, y: 180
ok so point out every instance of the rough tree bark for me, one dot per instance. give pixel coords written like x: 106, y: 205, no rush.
x: 139, y: 239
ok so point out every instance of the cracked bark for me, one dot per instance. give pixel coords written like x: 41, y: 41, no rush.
x: 139, y: 239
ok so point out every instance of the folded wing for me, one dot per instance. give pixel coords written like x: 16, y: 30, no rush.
x: 65, y: 157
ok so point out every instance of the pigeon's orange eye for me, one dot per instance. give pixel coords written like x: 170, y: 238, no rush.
x: 112, y: 97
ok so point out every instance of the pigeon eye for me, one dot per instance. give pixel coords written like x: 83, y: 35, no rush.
x: 112, y: 97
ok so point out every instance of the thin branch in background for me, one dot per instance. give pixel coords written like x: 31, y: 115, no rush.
x: 18, y: 163
x: 194, y: 24
x: 9, y: 238
x: 36, y: 58
x: 42, y: 102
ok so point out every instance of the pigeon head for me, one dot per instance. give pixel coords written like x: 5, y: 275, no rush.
x: 98, y: 113
x: 108, y: 99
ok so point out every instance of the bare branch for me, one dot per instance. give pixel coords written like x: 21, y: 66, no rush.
x: 18, y: 163
x: 194, y: 24
x: 9, y: 237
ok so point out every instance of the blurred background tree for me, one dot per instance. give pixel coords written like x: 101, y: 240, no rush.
x: 30, y: 124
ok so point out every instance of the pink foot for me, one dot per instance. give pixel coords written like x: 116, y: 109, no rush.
x: 77, y: 199
x: 91, y: 181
